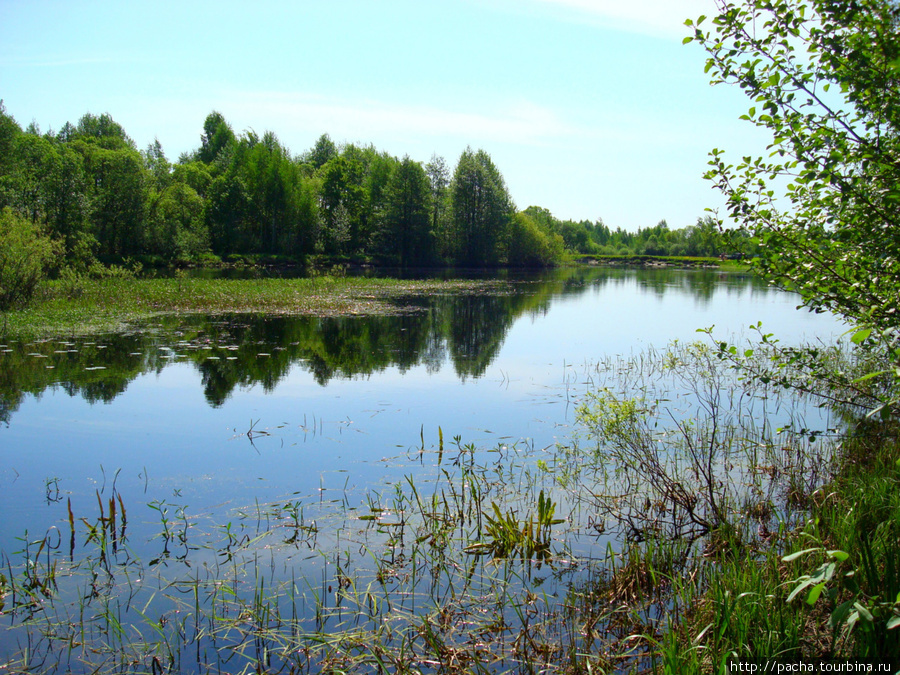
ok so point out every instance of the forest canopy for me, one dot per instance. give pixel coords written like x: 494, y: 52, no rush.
x: 88, y: 187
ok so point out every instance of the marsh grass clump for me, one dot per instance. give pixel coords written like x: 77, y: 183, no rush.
x: 851, y: 565
x: 645, y: 571
x: 683, y: 448
x: 712, y: 480
x: 505, y: 536
x: 750, y: 535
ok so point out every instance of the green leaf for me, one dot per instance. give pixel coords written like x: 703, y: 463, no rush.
x: 863, y: 612
x: 869, y: 376
x: 794, y: 556
x: 861, y: 336
x: 814, y: 593
x: 805, y: 582
x: 893, y: 623
x: 839, y: 615
x: 839, y: 555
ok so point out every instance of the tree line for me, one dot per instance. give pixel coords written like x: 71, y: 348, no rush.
x: 97, y: 195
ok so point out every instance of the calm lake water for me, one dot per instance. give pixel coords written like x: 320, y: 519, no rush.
x: 205, y: 418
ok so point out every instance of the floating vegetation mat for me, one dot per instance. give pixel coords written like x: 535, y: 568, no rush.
x: 112, y: 304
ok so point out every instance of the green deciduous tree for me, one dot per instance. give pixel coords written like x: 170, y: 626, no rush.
x: 260, y: 200
x: 267, y: 170
x: 655, y: 239
x: 117, y: 186
x: 823, y: 77
x: 35, y: 157
x: 44, y: 181
x: 25, y: 255
x: 9, y: 129
x: 227, y: 205
x: 379, y: 168
x: 407, y: 228
x: 193, y: 173
x: 217, y: 136
x: 322, y: 151
x: 704, y: 238
x: 157, y: 165
x: 342, y: 201
x: 176, y: 228
x: 439, y: 177
x: 577, y: 236
x: 530, y: 245
x: 102, y: 130
x: 482, y: 208
x: 66, y: 200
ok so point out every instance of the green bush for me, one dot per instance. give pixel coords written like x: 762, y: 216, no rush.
x: 529, y: 246
x: 25, y: 256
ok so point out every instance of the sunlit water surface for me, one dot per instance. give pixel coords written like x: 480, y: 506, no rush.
x: 207, y: 418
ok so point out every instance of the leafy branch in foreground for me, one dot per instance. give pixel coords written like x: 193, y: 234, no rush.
x: 856, y: 381
x: 824, y: 80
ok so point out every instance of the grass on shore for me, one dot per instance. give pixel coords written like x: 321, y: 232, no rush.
x: 828, y: 588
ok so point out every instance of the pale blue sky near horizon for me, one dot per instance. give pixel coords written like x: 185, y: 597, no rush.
x: 589, y: 108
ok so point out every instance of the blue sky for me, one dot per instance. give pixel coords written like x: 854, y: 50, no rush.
x: 590, y: 108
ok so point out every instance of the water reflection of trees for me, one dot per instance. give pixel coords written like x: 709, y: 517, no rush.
x: 231, y: 352
x: 95, y: 371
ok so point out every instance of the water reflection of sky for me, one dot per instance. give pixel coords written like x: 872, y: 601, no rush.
x: 167, y: 442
